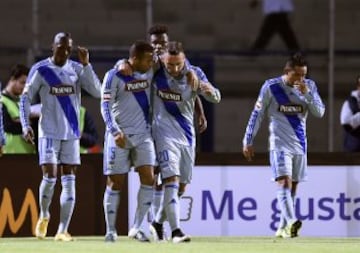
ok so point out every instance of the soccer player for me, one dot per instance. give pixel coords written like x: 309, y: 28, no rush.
x: 58, y: 81
x: 125, y: 107
x: 174, y: 133
x: 286, y: 100
x: 159, y: 39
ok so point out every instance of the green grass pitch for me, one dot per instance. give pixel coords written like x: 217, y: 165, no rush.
x: 197, y: 245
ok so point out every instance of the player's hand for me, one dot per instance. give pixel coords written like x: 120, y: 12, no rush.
x: 206, y: 88
x: 202, y: 123
x: 125, y: 69
x: 120, y: 140
x: 83, y: 55
x: 29, y: 136
x: 301, y: 86
x: 248, y: 152
x: 192, y: 80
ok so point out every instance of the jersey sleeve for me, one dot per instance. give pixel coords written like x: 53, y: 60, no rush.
x: 257, y: 115
x: 88, y: 79
x: 315, y: 104
x: 214, y: 96
x: 108, y: 96
x: 32, y: 87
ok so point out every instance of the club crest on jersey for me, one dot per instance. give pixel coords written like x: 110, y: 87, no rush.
x: 136, y: 85
x: 291, y: 109
x: 62, y: 90
x: 169, y: 96
x: 106, y: 96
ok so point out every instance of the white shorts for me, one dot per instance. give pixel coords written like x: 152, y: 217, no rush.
x: 53, y: 151
x: 287, y: 164
x: 139, y: 151
x: 175, y: 160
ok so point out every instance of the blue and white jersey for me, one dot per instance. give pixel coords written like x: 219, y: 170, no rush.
x: 59, y: 88
x: 173, y: 108
x: 125, y: 102
x: 2, y: 133
x: 287, y: 110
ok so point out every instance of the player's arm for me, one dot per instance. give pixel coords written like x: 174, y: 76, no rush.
x: 200, y: 115
x: 108, y: 96
x: 205, y: 88
x: 313, y: 99
x: 255, y: 120
x: 124, y: 67
x: 32, y: 87
x: 88, y: 79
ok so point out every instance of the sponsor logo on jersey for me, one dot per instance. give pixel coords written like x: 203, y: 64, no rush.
x: 291, y: 109
x: 136, y: 85
x: 62, y: 90
x: 169, y: 96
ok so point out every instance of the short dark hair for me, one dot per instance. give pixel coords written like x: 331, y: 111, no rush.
x: 158, y: 29
x: 60, y: 35
x: 175, y: 48
x: 139, y: 48
x: 296, y: 59
x: 18, y: 70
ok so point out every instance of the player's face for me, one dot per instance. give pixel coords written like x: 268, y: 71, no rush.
x: 62, y: 51
x: 159, y: 43
x: 144, y: 63
x: 174, y: 64
x: 19, y: 85
x: 297, y: 74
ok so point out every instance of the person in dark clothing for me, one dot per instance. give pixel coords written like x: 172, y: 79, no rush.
x: 89, y: 135
x: 10, y: 97
x: 276, y: 20
x: 350, y: 120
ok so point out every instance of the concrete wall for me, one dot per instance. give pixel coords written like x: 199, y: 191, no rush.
x: 228, y: 25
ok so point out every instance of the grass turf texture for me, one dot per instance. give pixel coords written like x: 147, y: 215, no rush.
x: 197, y: 245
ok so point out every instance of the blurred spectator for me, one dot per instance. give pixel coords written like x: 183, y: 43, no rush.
x: 89, y: 135
x: 350, y: 120
x: 10, y: 98
x: 276, y: 20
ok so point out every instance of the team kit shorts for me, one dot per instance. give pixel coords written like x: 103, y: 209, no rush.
x: 139, y: 151
x: 52, y: 151
x: 175, y: 160
x: 288, y: 164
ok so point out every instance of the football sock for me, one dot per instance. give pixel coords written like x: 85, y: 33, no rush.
x: 111, y: 203
x: 286, y: 204
x: 171, y: 205
x: 144, y: 199
x: 67, y: 202
x: 46, y: 192
x: 157, y: 201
